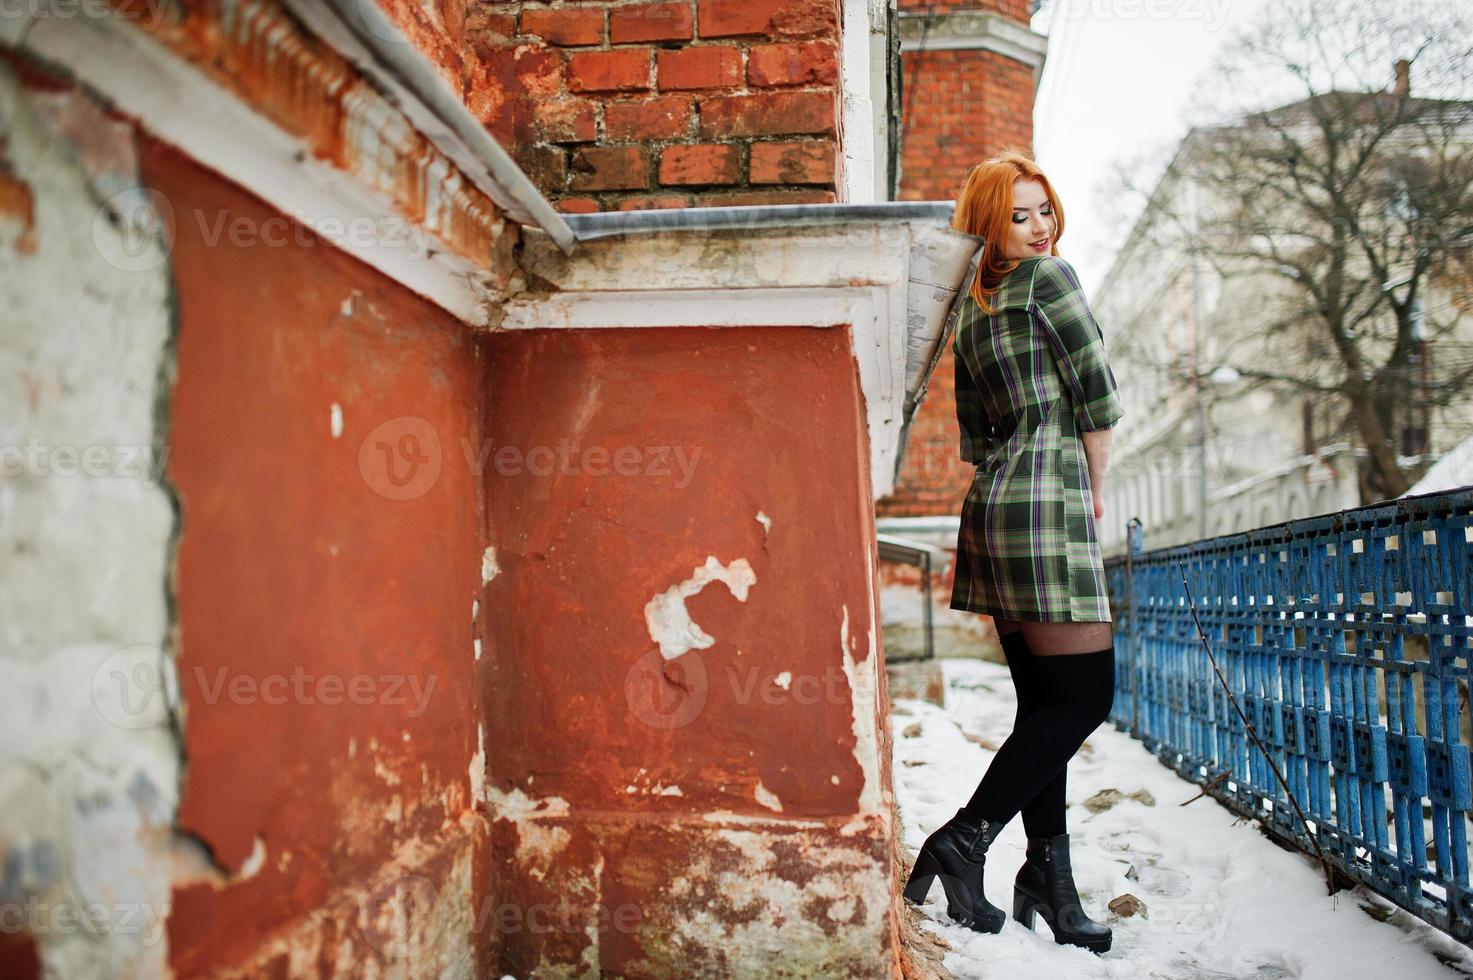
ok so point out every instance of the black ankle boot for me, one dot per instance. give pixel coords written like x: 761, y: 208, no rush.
x: 1045, y: 885
x: 957, y: 852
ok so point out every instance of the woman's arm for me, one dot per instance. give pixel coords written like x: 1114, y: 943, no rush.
x: 1079, y: 352
x: 1097, y: 453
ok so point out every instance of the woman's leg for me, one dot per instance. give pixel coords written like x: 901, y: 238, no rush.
x: 1059, y: 639
x: 1043, y: 815
x: 1077, y: 691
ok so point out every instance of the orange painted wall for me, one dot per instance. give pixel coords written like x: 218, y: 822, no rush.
x: 581, y: 703
x: 297, y: 559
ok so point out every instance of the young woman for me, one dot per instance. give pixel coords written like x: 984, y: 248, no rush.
x: 1035, y: 398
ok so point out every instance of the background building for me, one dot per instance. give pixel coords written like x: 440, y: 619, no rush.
x: 1221, y: 368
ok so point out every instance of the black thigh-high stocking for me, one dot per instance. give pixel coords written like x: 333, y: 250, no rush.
x: 1043, y: 815
x: 1078, y: 691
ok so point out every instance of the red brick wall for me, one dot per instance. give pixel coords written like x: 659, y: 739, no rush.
x: 961, y: 106
x: 661, y: 104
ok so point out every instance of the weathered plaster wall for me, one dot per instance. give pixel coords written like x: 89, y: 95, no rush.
x: 682, y: 635
x: 89, y: 764
x: 210, y: 519
x: 328, y: 570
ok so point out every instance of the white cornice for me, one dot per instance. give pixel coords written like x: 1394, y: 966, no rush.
x: 892, y: 281
x: 981, y: 30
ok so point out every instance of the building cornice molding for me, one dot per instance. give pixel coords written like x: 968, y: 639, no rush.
x: 891, y: 280
x: 975, y: 30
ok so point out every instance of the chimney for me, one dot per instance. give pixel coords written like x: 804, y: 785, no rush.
x: 1403, y: 78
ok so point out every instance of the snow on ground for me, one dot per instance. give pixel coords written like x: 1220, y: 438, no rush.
x: 1221, y: 899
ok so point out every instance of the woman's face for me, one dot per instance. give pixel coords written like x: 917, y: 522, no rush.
x: 1033, y: 223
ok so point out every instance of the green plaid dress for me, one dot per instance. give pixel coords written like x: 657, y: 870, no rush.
x: 1029, y: 379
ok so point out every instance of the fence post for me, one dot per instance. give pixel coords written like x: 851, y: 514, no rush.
x: 1132, y: 548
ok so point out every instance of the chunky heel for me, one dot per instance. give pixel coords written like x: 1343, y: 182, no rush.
x: 957, y: 854
x: 925, y: 871
x: 1024, y: 909
x: 1045, y: 888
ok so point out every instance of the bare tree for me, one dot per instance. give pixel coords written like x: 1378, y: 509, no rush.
x: 1309, y: 171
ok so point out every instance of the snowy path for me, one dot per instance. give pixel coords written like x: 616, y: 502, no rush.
x: 1221, y: 900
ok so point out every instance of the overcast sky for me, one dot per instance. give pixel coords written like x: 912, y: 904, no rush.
x: 1114, y: 84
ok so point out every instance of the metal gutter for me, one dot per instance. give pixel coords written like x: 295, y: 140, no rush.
x: 372, y: 43
x: 602, y: 224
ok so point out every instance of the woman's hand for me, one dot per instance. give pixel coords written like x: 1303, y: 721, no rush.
x: 1099, y: 505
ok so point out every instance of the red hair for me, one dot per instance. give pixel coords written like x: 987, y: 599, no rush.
x: 985, y: 208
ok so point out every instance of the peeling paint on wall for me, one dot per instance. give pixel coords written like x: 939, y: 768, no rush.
x: 89, y: 757
x: 669, y: 620
x: 862, y: 684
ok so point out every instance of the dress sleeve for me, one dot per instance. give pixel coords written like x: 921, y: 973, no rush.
x: 1077, y: 343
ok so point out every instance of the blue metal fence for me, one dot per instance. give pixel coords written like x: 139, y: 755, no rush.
x: 1346, y: 639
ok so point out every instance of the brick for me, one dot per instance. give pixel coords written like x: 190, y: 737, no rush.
x: 565, y: 25
x: 622, y: 69
x: 565, y: 120
x: 708, y: 66
x: 701, y: 163
x: 806, y: 162
x: 481, y: 21
x: 730, y: 198
x: 769, y: 18
x: 804, y: 63
x: 651, y: 22
x: 650, y: 202
x: 577, y: 205
x: 610, y: 168
x: 658, y: 118
x: 500, y: 83
x: 545, y: 166
x: 767, y: 114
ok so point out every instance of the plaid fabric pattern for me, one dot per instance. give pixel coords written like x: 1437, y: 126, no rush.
x: 1029, y: 379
